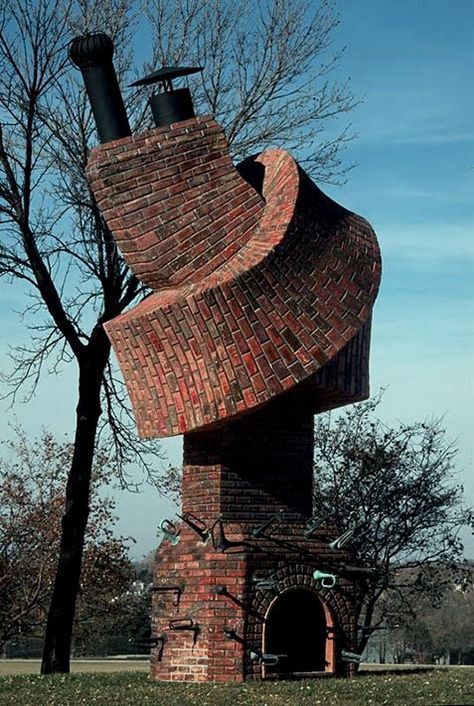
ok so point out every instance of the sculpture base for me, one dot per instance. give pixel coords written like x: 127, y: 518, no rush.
x: 221, y: 605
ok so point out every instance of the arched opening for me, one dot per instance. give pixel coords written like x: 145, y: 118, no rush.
x: 296, y: 629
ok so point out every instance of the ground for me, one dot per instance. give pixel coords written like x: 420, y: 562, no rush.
x: 437, y: 687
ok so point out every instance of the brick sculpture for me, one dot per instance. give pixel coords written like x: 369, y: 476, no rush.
x: 253, y: 293
x: 259, y: 317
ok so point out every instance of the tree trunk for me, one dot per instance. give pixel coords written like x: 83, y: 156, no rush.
x: 57, y: 645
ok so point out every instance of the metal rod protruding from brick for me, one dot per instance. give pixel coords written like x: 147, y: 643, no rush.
x: 262, y: 658
x: 92, y: 54
x: 350, y: 657
x: 197, y: 525
x: 314, y: 523
x: 274, y: 521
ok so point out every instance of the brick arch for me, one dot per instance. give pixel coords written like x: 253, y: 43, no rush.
x: 329, y: 651
x: 337, y: 606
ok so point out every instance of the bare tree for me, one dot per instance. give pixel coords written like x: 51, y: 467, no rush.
x: 267, y: 77
x: 32, y: 475
x: 443, y: 631
x: 393, y: 486
x: 266, y: 80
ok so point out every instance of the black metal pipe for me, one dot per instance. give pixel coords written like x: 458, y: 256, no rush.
x: 92, y: 54
x: 171, y: 106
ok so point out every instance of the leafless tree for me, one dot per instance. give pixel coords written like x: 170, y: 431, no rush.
x: 267, y: 77
x: 266, y: 80
x: 393, y: 486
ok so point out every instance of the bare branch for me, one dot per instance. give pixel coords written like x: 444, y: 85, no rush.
x: 396, y: 484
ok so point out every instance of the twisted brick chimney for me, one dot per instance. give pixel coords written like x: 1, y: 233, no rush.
x: 254, y: 292
x: 259, y: 318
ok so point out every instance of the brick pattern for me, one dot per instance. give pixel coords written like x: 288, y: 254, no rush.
x: 246, y: 470
x: 176, y: 206
x: 338, y: 600
x: 344, y: 379
x: 221, y: 336
x: 199, y: 569
x: 243, y: 474
x: 209, y: 656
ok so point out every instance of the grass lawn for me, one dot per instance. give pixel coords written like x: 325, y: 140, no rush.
x: 32, y: 666
x: 436, y: 688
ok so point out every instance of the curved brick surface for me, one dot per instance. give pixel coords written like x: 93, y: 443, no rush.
x: 176, y: 205
x: 222, y: 336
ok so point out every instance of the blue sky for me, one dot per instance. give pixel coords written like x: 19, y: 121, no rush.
x: 413, y: 62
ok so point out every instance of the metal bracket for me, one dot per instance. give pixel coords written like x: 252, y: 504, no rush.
x: 342, y: 540
x: 359, y: 571
x: 188, y: 624
x: 220, y: 541
x: 327, y: 580
x: 197, y: 525
x: 350, y: 657
x: 169, y: 530
x: 232, y: 635
x: 177, y: 591
x: 263, y: 584
x: 155, y: 641
x: 267, y: 659
x: 314, y: 522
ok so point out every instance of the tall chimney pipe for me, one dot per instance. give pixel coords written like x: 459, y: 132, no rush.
x: 92, y: 54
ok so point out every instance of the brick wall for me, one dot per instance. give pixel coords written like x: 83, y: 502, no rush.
x: 242, y: 473
x: 176, y: 206
x: 209, y: 654
x: 259, y: 464
x: 255, y: 292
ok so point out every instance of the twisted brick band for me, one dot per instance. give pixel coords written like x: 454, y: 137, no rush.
x: 254, y: 292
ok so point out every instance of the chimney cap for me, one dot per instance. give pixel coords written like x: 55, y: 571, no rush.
x: 91, y: 49
x: 166, y: 74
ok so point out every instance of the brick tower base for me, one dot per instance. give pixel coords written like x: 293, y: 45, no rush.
x: 220, y: 604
